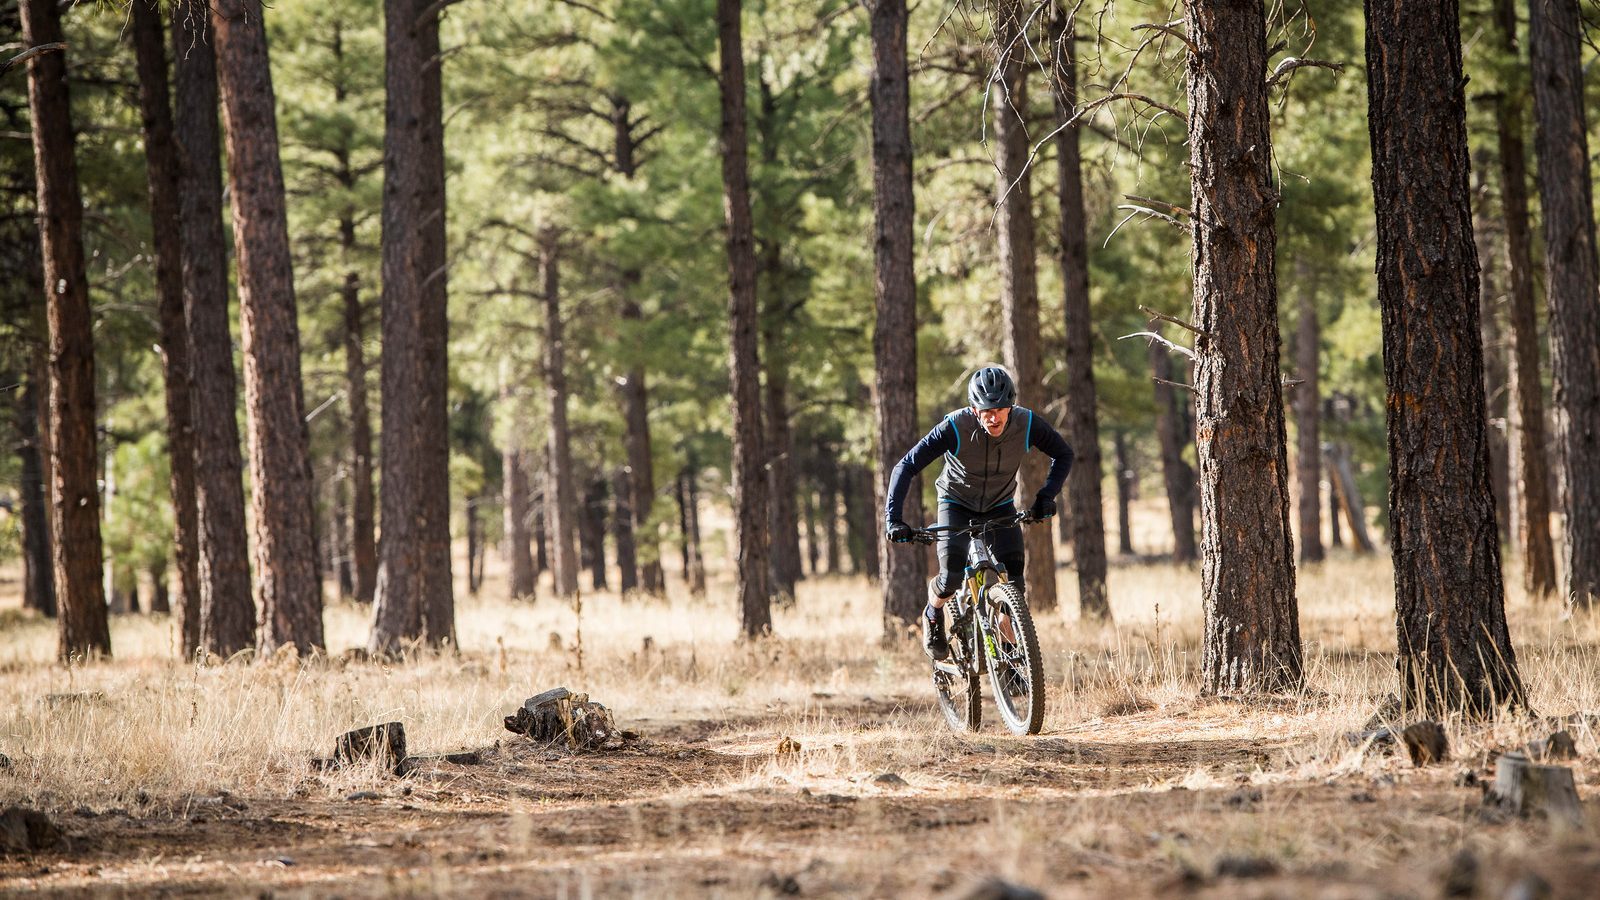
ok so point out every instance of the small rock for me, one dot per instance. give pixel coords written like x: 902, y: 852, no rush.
x: 465, y: 758
x: 24, y: 830
x: 1529, y: 887
x: 891, y: 779
x: 1245, y: 867
x: 788, y: 746
x: 1460, y: 878
x: 996, y: 889
x: 1426, y: 743
x: 282, y: 862
x: 1378, y: 737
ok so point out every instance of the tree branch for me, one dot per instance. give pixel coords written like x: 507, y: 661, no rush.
x: 1168, y: 29
x: 1163, y: 317
x: 1291, y: 63
x: 30, y: 53
x: 1158, y: 339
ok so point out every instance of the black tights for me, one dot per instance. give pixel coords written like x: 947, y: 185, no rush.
x: 1005, y: 543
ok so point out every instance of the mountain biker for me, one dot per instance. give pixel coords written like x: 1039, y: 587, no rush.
x: 983, y: 445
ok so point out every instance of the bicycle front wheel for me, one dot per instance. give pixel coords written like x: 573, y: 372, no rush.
x: 1016, y: 668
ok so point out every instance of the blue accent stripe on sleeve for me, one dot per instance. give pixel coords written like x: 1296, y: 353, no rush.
x: 951, y: 418
x: 1027, y: 440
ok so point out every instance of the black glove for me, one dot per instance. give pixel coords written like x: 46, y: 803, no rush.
x: 898, y: 532
x: 1042, y: 508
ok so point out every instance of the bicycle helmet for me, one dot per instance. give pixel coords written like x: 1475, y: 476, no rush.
x: 991, y: 388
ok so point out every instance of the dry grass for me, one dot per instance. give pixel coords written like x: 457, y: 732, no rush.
x: 1127, y: 784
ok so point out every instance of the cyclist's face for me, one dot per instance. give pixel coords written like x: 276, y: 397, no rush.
x: 993, y: 420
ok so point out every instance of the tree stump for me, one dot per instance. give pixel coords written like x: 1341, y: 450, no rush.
x: 384, y: 743
x: 1426, y: 743
x: 1559, y: 745
x: 559, y: 714
x: 24, y: 830
x: 1531, y: 790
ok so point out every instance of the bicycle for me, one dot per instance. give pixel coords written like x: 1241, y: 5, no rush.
x: 988, y: 613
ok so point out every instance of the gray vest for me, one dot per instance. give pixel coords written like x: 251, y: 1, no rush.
x: 982, y: 473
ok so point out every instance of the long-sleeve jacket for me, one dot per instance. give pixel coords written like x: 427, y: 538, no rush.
x: 980, y: 472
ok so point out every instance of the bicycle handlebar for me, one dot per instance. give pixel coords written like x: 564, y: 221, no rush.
x: 929, y: 534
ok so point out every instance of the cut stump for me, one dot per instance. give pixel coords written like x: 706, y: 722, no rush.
x: 1426, y: 743
x: 384, y: 743
x: 1531, y: 790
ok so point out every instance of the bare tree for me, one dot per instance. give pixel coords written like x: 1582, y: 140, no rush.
x: 744, y: 365
x: 1454, y: 649
x: 1252, y: 629
x: 414, y: 599
x: 1572, y: 281
x: 75, y: 497
x: 288, y: 591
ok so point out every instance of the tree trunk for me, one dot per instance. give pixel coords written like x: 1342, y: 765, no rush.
x: 1335, y: 536
x: 1307, y: 410
x: 622, y: 533
x: 1083, y: 421
x: 1494, y: 363
x: 474, y: 541
x: 694, y: 569
x: 1125, y: 479
x: 1454, y: 649
x: 1174, y: 431
x: 162, y: 169
x: 744, y: 365
x: 227, y: 613
x: 1019, y: 287
x: 560, y: 505
x: 75, y: 497
x: 541, y: 531
x: 520, y: 577
x: 808, y: 498
x: 341, y: 531
x: 783, y: 526
x: 1530, y: 514
x: 1252, y: 630
x: 363, y: 545
x: 160, y: 600
x: 894, y: 339
x: 860, y: 524
x: 1342, y: 477
x: 38, y: 585
x: 829, y: 465
x: 288, y: 595
x: 413, y: 596
x: 592, y: 533
x: 1572, y: 281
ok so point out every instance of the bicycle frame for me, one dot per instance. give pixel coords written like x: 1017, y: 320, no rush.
x: 968, y: 618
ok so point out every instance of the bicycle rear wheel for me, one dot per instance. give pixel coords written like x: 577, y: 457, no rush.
x: 960, y: 699
x: 1016, y: 668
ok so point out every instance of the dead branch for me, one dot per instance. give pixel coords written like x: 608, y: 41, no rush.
x: 1168, y: 29
x: 1156, y: 338
x: 1176, y: 384
x: 30, y: 53
x: 1181, y: 226
x: 429, y: 11
x: 1163, y: 317
x: 1172, y: 206
x: 1290, y: 63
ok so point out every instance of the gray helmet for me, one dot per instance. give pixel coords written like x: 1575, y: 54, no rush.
x: 991, y: 388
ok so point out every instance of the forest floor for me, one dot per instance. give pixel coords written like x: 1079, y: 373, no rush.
x: 197, y: 780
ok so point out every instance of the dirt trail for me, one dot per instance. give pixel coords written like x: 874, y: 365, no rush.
x: 701, y: 807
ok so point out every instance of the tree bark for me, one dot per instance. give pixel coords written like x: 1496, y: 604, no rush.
x: 1342, y: 477
x: 75, y: 498
x: 1454, y: 649
x: 1019, y: 282
x: 1174, y: 431
x: 861, y: 524
x: 1252, y: 630
x: 541, y: 530
x: 341, y: 529
x: 1494, y: 362
x: 894, y: 338
x: 829, y: 465
x: 744, y: 365
x: 694, y: 568
x: 413, y: 597
x: 1530, y: 514
x: 227, y: 612
x: 1085, y: 517
x: 622, y: 532
x: 1307, y: 411
x: 520, y: 580
x: 561, y: 504
x: 162, y: 170
x: 474, y: 542
x: 288, y: 594
x: 160, y: 599
x: 1124, y: 494
x: 1572, y: 282
x: 1335, y: 536
x: 363, y: 544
